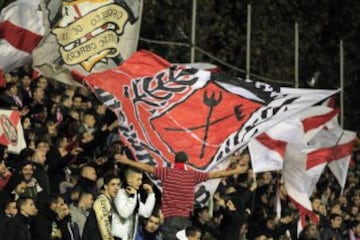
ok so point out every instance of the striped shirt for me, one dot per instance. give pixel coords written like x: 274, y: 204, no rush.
x: 178, y: 190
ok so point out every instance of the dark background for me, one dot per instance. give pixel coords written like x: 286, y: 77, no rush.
x: 221, y: 32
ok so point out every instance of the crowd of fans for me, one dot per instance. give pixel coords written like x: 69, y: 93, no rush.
x: 68, y: 183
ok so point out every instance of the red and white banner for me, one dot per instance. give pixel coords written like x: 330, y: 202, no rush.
x: 165, y: 108
x: 301, y: 148
x: 11, y: 131
x: 21, y: 30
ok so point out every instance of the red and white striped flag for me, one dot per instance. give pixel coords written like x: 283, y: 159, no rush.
x: 11, y: 131
x: 304, y: 145
x: 21, y: 30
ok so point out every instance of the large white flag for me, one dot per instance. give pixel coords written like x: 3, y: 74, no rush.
x: 165, y: 108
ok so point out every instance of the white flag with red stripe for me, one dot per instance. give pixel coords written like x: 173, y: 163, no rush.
x: 334, y: 146
x: 11, y: 131
x: 305, y: 145
x: 21, y: 30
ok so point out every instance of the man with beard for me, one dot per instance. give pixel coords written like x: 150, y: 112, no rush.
x: 33, y: 187
x: 150, y: 229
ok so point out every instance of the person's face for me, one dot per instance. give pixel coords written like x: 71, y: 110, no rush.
x: 152, y: 224
x: 42, y: 83
x: 336, y: 222
x: 112, y: 187
x: 196, y: 237
x: 38, y: 94
x: 204, y: 216
x: 27, y: 171
x: 11, y: 209
x: 244, y: 159
x: 26, y: 123
x: 134, y: 180
x: 270, y: 224
x: 8, y: 77
x: 26, y: 80
x: 75, y: 115
x: 88, y: 201
x: 267, y: 177
x: 43, y: 147
x: 336, y: 209
x: 101, y: 109
x: 312, y: 232
x: 89, y: 120
x: 322, y: 209
x: 354, y: 210
x: 244, y: 229
x: 90, y: 173
x: 77, y: 102
x: 29, y: 208
x: 58, y: 206
x: 316, y: 204
x: 87, y: 137
x: 13, y: 90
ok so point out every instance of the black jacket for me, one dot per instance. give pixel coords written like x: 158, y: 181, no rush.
x: 17, y: 228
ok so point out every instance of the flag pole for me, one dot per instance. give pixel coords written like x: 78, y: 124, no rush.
x: 296, y: 55
x: 193, y: 32
x: 248, y: 39
x: 341, y: 84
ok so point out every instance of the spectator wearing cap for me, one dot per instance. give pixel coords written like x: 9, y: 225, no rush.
x: 19, y: 227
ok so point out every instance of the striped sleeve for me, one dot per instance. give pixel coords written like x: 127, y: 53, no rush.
x: 200, y: 177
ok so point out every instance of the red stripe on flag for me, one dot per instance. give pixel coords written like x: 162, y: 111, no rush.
x: 278, y: 146
x: 329, y: 154
x: 14, y: 118
x: 305, y: 212
x: 316, y: 121
x: 19, y: 37
x: 3, y: 140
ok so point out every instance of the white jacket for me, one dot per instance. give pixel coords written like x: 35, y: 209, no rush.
x: 124, y: 222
